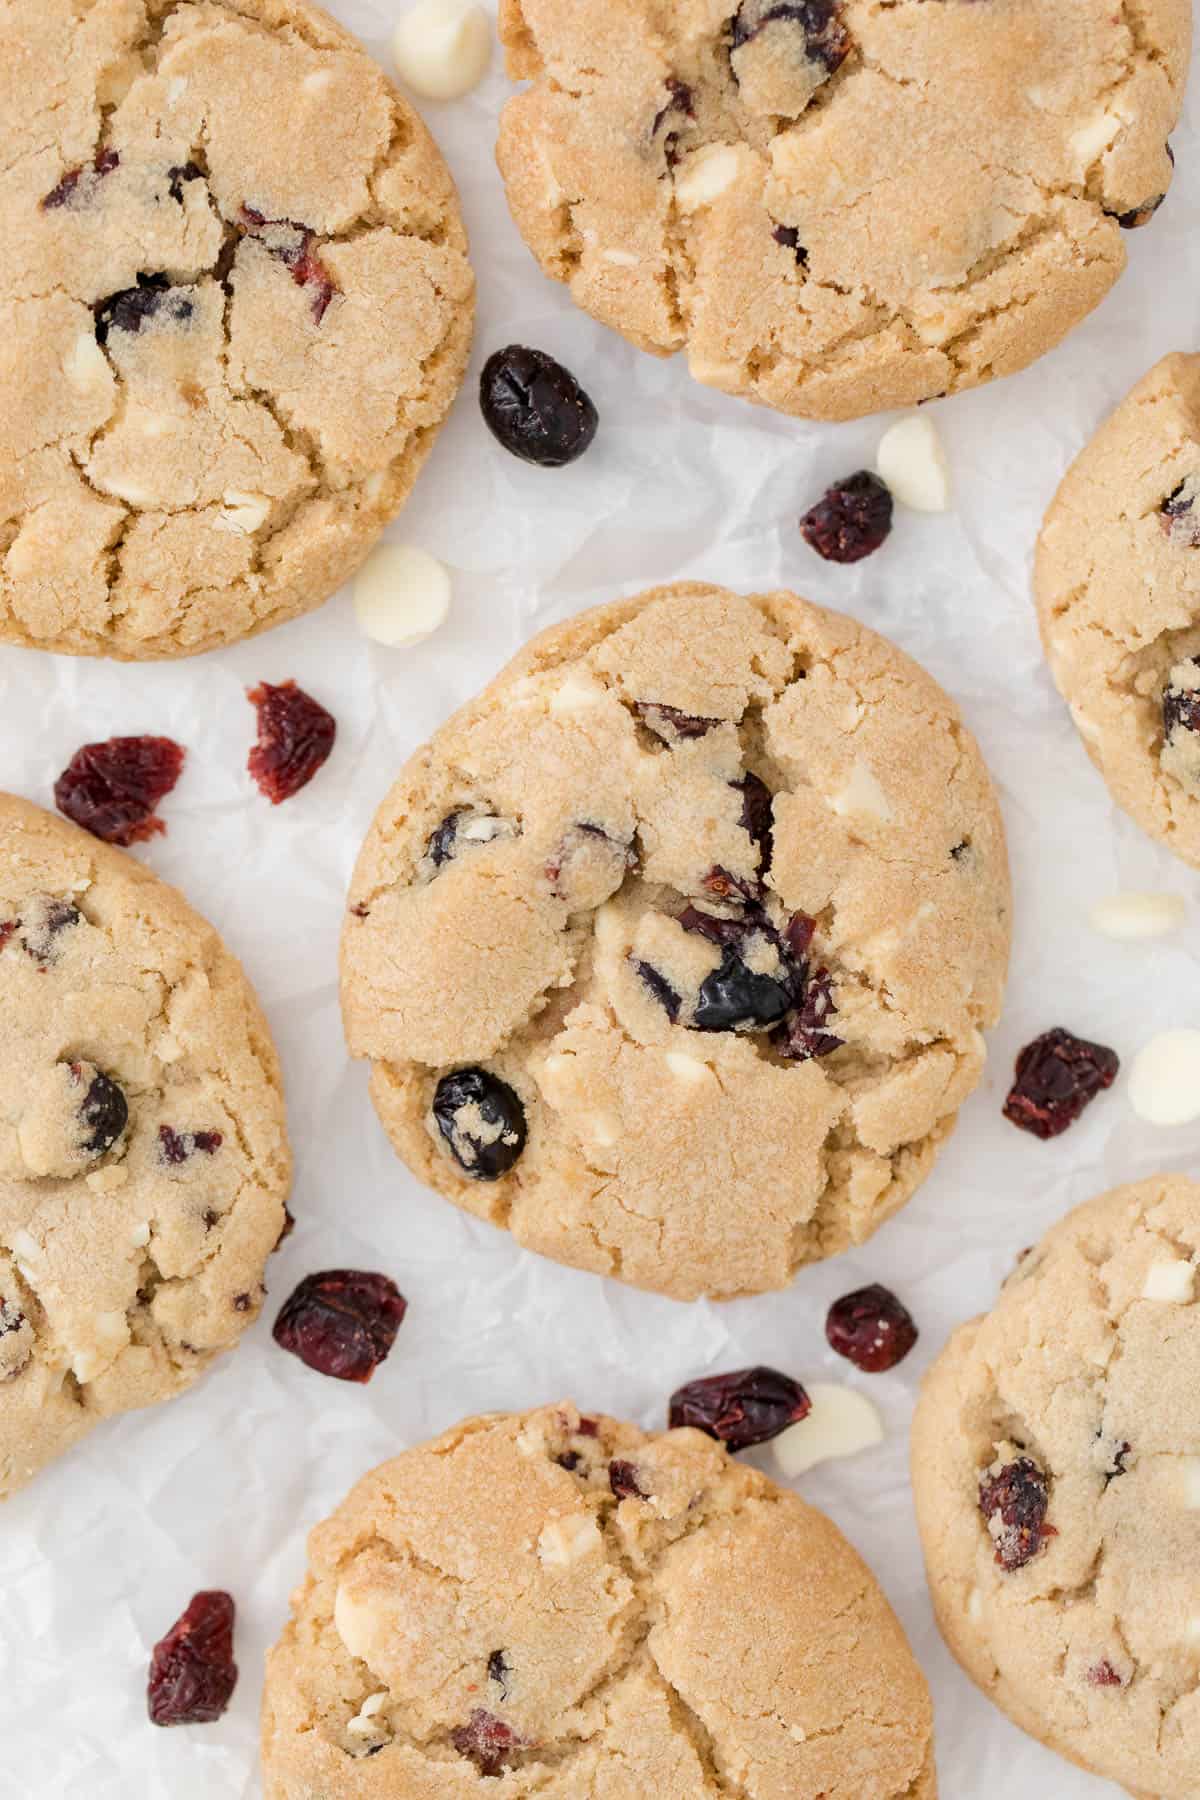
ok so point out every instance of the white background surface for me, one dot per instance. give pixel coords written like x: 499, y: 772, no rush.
x: 218, y: 1488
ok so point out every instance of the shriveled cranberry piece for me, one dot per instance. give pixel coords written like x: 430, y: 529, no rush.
x: 1137, y: 216
x: 295, y: 736
x: 669, y: 723
x: 293, y: 245
x: 482, y: 1121
x: 499, y: 1671
x: 487, y: 1741
x: 1013, y: 1502
x: 745, y: 1407
x: 757, y: 816
x: 1179, y: 515
x: 181, y: 172
x: 716, y: 928
x: 805, y: 1035
x: 737, y: 998
x: 789, y: 237
x: 799, y: 933
x: 588, y: 1428
x: 535, y: 407
x: 112, y: 789
x: 850, y: 520
x: 342, y: 1322
x: 1058, y: 1075
x: 726, y: 886
x: 152, y: 298
x: 622, y: 1479
x: 103, y: 1113
x: 7, y: 929
x: 871, y: 1328
x: 825, y: 37
x: 44, y: 924
x: 1118, y: 1462
x: 177, y: 1146
x: 67, y: 189
x: 1181, y: 701
x: 659, y: 986
x: 680, y: 102
x: 1102, y: 1674
x: 192, y: 1671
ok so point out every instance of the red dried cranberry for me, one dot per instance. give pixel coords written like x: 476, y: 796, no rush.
x: 746, y: 1407
x: 342, y: 1322
x: 499, y: 1671
x: 799, y: 932
x: 757, y: 817
x: 1102, y: 1674
x: 65, y: 191
x: 824, y: 37
x: 1018, y: 1497
x: 295, y: 250
x: 295, y: 736
x: 871, y: 1328
x: 487, y: 1741
x: 535, y: 407
x: 851, y: 519
x: 177, y: 1146
x: 112, y: 789
x: 805, y: 1035
x: 192, y: 1671
x: 1057, y: 1076
x: 789, y: 237
x: 622, y: 1479
x: 7, y: 928
x: 103, y: 1113
x: 679, y: 100
x: 1181, y: 705
x: 726, y: 886
x: 669, y: 724
x: 588, y: 1428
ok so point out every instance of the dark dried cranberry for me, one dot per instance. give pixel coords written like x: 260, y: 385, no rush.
x: 188, y: 171
x: 569, y: 1460
x: 871, y: 1328
x: 718, y: 930
x: 789, y: 237
x: 1014, y: 1503
x: 805, y: 1035
x: 1142, y: 215
x: 737, y: 998
x: 725, y: 886
x: 799, y: 933
x: 1181, y: 705
x: 153, y: 297
x: 622, y: 1479
x: 482, y: 1121
x: 7, y: 929
x: 341, y: 1322
x: 679, y: 101
x: 440, y: 848
x: 487, y: 1741
x: 535, y: 407
x: 103, y: 1114
x: 669, y: 724
x: 1057, y: 1076
x: 40, y: 934
x: 295, y: 736
x: 757, y: 816
x: 746, y: 1407
x: 1102, y: 1674
x: 588, y: 1428
x: 851, y: 519
x: 192, y: 1671
x: 1118, y: 1462
x: 111, y: 789
x: 499, y: 1671
x: 659, y: 986
x: 825, y: 37
x: 177, y: 1146
x: 65, y: 191
x: 293, y: 245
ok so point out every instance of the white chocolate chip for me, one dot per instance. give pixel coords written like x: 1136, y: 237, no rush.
x: 442, y: 48
x: 176, y: 89
x: 316, y: 83
x: 797, y: 1734
x: 243, y: 512
x: 139, y: 1237
x: 862, y: 796
x: 1174, y: 1280
x: 1189, y: 1475
x: 21, y: 1244
x: 125, y: 488
x: 975, y: 1606
x: 604, y: 1128
x: 705, y: 176
x: 689, y: 1069
x: 1191, y: 1630
x: 366, y: 1730
x: 841, y: 1423
x: 575, y: 693
x: 355, y: 1622
x: 1095, y: 136
x: 401, y: 595
x: 911, y: 461
x: 624, y: 259
x: 568, y: 1540
x: 108, y: 1179
x: 87, y: 365
x: 1164, y: 1081
x: 1125, y: 916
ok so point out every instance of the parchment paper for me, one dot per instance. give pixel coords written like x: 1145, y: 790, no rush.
x: 219, y: 1488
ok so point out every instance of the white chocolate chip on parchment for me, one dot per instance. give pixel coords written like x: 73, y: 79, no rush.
x: 1164, y: 1080
x: 841, y: 1423
x: 912, y: 463
x: 442, y: 48
x: 1133, y: 915
x: 401, y: 595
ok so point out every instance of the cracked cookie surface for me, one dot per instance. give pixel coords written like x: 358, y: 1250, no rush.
x: 1056, y: 1466
x: 671, y: 951
x: 143, y: 1157
x: 236, y: 307
x: 1117, y: 580
x: 593, y: 1614
x: 837, y: 208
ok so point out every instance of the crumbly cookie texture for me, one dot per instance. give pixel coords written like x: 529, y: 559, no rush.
x: 836, y: 208
x: 672, y: 950
x: 588, y: 1611
x: 143, y: 1158
x: 1117, y: 579
x: 235, y: 308
x: 1056, y: 1464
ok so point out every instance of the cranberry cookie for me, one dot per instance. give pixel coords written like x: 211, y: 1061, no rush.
x: 836, y: 207
x: 236, y: 307
x: 1117, y: 580
x: 143, y: 1158
x: 1056, y: 1463
x: 672, y: 950
x: 565, y: 1606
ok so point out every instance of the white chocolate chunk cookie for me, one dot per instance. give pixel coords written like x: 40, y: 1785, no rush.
x: 1117, y: 580
x: 143, y: 1157
x: 1055, y: 1455
x: 546, y: 1604
x: 235, y: 307
x: 836, y: 207
x: 671, y: 951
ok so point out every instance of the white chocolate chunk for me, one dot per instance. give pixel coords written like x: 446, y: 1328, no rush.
x: 689, y: 1069
x: 1132, y: 915
x: 565, y: 1541
x: 705, y: 176
x: 1189, y: 1477
x: 842, y: 1422
x: 401, y: 595
x: 1164, y: 1081
x: 862, y: 796
x: 1093, y: 137
x: 575, y: 693
x: 356, y: 1623
x: 125, y: 488
x: 139, y: 1237
x: 911, y: 461
x: 1191, y: 1630
x: 975, y: 1606
x: 604, y: 1128
x: 442, y: 48
x: 624, y: 259
x: 1174, y: 1280
x: 87, y: 365
x: 243, y: 512
x: 316, y: 83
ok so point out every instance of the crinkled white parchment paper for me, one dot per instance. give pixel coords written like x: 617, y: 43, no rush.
x: 218, y: 1488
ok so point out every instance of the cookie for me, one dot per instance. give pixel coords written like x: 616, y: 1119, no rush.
x: 580, y: 1608
x: 835, y: 208
x: 1056, y: 1464
x: 143, y: 1158
x: 671, y: 951
x: 236, y: 307
x: 1117, y: 579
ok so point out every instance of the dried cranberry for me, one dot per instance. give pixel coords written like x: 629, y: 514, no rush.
x: 737, y: 998
x: 789, y: 237
x: 293, y: 245
x: 588, y: 1428
x: 103, y: 1114
x: 342, y: 1322
x: 535, y: 407
x: 181, y: 172
x: 1057, y: 1076
x: 825, y: 37
x: 799, y: 933
x: 1102, y: 1674
x: 757, y: 817
x: 192, y: 1671
x: 669, y: 724
x: 499, y: 1671
x: 658, y: 985
x: 111, y: 789
x: 487, y: 1741
x: 66, y: 189
x: 871, y: 1328
x: 851, y: 519
x: 482, y: 1121
x: 746, y: 1407
x: 1118, y: 1462
x: 725, y: 886
x: 177, y: 1146
x: 129, y: 309
x: 7, y: 929
x: 295, y: 736
x: 679, y: 100
x: 1181, y: 705
x: 1138, y: 215
x: 40, y: 934
x: 622, y: 1479
x: 1014, y: 1503
x: 1179, y: 516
